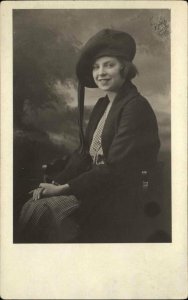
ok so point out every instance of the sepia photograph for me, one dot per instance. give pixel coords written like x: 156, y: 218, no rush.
x: 93, y: 150
x: 92, y: 115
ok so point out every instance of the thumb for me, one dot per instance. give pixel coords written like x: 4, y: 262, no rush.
x: 43, y: 185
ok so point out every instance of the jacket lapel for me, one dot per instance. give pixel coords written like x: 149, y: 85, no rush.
x: 95, y: 118
x: 125, y: 95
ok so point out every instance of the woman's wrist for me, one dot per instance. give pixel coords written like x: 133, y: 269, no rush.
x: 65, y: 189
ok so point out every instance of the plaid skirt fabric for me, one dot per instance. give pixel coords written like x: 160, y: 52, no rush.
x: 54, y: 213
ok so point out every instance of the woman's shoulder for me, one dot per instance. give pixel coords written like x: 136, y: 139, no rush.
x: 139, y: 108
x: 131, y: 97
x: 140, y: 103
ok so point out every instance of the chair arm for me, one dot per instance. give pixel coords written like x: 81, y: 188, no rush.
x: 151, y: 178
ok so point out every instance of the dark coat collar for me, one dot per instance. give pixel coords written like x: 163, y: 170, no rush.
x: 125, y: 94
x: 127, y: 91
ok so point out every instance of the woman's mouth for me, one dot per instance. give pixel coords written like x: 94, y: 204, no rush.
x: 104, y: 81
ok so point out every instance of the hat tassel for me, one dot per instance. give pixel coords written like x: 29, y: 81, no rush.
x: 81, y: 94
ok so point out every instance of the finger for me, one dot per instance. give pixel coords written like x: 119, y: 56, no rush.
x: 40, y: 193
x: 44, y: 192
x: 35, y: 195
x: 34, y: 192
x: 31, y: 192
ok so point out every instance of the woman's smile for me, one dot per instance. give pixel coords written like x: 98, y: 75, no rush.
x: 104, y: 81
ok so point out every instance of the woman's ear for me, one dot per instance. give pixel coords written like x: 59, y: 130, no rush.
x: 129, y: 70
x: 124, y: 70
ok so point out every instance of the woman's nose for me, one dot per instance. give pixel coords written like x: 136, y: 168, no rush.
x: 101, y: 70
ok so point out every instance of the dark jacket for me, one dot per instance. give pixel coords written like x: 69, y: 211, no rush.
x: 108, y: 191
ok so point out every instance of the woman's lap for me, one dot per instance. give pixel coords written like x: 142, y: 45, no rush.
x: 47, y: 220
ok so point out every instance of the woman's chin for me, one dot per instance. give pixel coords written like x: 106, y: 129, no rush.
x: 104, y: 87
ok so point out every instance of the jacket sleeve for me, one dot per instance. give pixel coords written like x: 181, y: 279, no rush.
x: 76, y: 165
x: 136, y: 136
x: 79, y: 163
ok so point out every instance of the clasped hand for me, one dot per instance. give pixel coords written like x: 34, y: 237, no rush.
x: 48, y: 190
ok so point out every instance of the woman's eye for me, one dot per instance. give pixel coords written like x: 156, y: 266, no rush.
x: 107, y: 65
x: 95, y: 67
x: 110, y: 65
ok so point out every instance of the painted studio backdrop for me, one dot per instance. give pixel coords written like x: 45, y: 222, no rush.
x: 46, y: 45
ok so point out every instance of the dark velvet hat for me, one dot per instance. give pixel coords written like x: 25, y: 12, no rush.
x: 107, y: 42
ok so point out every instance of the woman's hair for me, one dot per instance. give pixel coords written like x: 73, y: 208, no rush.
x: 129, y: 70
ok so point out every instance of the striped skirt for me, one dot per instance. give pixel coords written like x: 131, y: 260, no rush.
x: 49, y: 220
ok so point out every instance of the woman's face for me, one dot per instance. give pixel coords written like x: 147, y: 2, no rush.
x: 106, y: 73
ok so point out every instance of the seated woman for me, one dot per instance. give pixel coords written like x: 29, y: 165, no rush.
x: 96, y: 197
